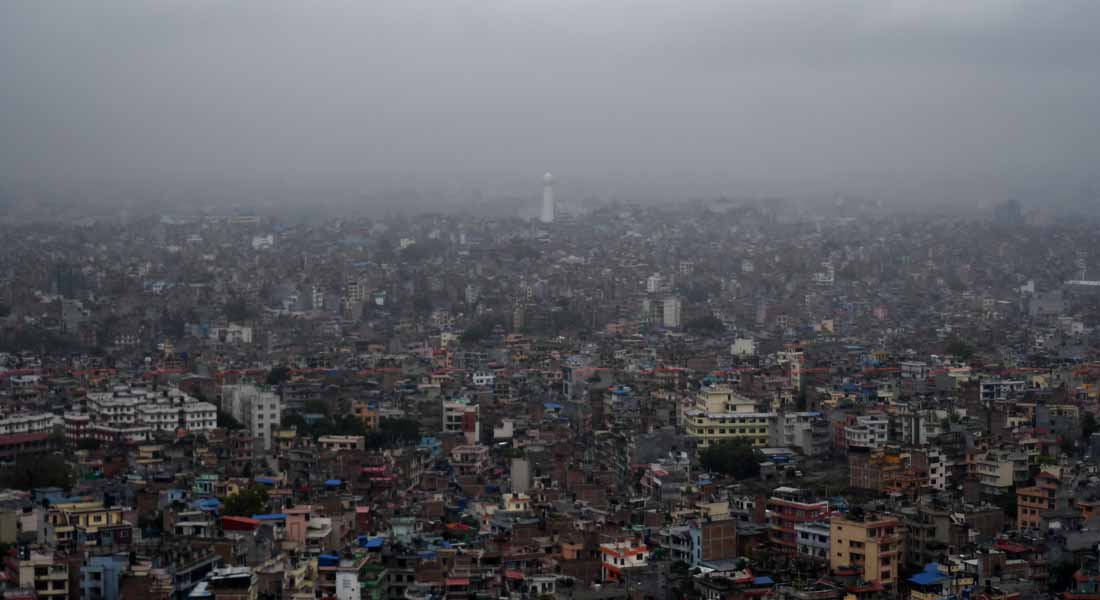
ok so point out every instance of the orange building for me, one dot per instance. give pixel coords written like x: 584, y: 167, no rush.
x: 1033, y: 501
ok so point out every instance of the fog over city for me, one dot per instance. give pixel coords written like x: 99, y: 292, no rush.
x: 952, y: 101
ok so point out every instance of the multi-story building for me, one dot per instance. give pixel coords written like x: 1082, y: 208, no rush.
x: 869, y: 431
x: 805, y: 431
x: 937, y: 469
x: 100, y: 576
x: 868, y: 544
x: 993, y: 390
x: 1033, y: 501
x: 717, y: 414
x: 259, y: 410
x: 470, y: 460
x: 618, y: 556
x: 788, y: 507
x: 366, y: 413
x: 999, y: 470
x: 671, y: 312
x: 77, y: 524
x: 135, y: 414
x: 28, y: 423
x: 462, y: 416
x: 46, y: 574
x: 338, y: 443
x: 812, y: 540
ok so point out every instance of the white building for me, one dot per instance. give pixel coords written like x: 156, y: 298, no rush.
x: 743, y: 347
x: 263, y: 242
x: 870, y: 431
x: 673, y: 312
x: 136, y: 414
x: 937, y: 469
x: 28, y: 423
x: 260, y: 411
x: 622, y: 555
x: 655, y: 283
x: 549, y: 207
x: 812, y: 540
x: 484, y: 378
x: 459, y: 416
x: 999, y: 389
x: 232, y: 334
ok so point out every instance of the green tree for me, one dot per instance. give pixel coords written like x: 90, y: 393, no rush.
x: 30, y: 472
x: 708, y: 325
x: 251, y: 500
x: 1089, y: 426
x: 278, y: 375
x: 735, y: 457
x: 963, y: 350
x: 394, y: 432
x: 238, y: 309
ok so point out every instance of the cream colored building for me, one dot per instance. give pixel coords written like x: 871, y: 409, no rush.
x: 872, y: 545
x: 717, y: 413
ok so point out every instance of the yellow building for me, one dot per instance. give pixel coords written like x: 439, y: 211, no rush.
x: 872, y: 545
x: 717, y: 414
x: 90, y: 523
x: 366, y: 414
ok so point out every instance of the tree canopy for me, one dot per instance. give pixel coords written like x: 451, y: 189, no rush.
x: 278, y: 375
x: 30, y: 472
x: 963, y: 350
x: 250, y: 501
x: 735, y: 457
x: 706, y: 325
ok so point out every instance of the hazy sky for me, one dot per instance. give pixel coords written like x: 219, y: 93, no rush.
x: 613, y: 93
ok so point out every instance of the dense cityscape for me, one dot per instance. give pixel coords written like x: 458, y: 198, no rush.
x: 722, y: 399
x: 549, y: 300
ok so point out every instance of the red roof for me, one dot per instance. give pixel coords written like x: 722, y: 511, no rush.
x: 457, y: 581
x: 513, y: 574
x: 22, y: 438
x: 1011, y: 548
x: 239, y: 523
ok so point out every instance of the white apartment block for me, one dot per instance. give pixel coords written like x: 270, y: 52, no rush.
x: 28, y: 423
x: 870, y: 431
x: 259, y: 410
x: 135, y: 414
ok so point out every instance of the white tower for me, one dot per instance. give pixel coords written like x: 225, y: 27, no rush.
x: 548, y: 207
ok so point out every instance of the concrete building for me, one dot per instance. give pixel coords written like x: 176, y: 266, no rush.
x: 618, y: 556
x: 868, y: 544
x: 869, y: 431
x: 101, y: 575
x: 259, y: 410
x: 806, y: 432
x: 672, y: 312
x: 1033, y: 501
x: 337, y: 443
x: 460, y: 416
x: 788, y: 507
x: 134, y: 415
x: 46, y: 574
x: 717, y: 413
x: 812, y: 540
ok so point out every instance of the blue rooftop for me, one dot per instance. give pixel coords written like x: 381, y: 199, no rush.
x: 370, y: 542
x: 551, y: 406
x: 930, y: 576
x: 333, y: 483
x: 763, y: 581
x: 270, y: 517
